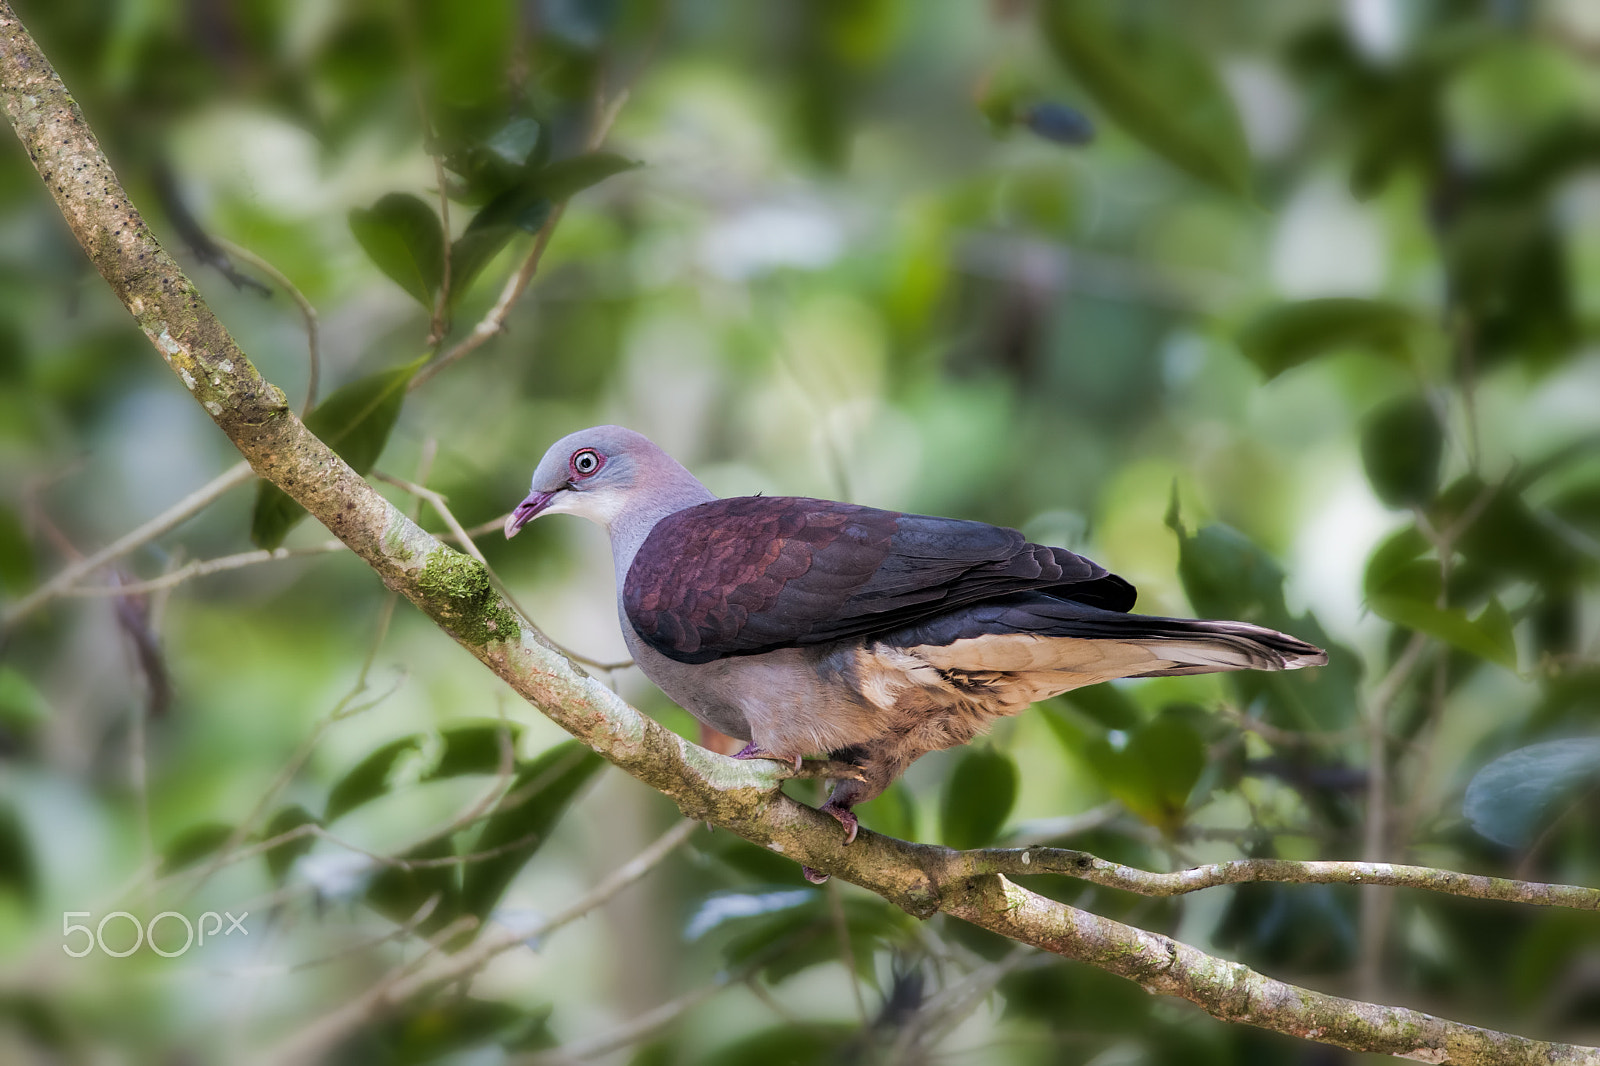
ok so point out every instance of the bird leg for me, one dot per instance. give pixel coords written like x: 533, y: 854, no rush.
x: 751, y: 751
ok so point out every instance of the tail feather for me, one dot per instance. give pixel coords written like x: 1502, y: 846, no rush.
x: 1182, y: 645
x: 1203, y: 646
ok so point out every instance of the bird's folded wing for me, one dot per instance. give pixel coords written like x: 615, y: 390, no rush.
x: 755, y: 573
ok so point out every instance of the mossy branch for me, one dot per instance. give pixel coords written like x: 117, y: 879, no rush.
x: 742, y: 797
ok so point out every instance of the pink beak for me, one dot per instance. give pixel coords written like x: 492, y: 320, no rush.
x: 527, y: 511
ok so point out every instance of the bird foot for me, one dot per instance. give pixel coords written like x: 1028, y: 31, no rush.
x: 750, y: 751
x: 816, y: 877
x: 845, y: 817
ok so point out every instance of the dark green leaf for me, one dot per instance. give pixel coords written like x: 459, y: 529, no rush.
x: 398, y: 892
x: 21, y: 706
x: 17, y: 871
x: 1153, y: 770
x: 369, y: 778
x: 751, y: 862
x: 355, y: 421
x: 1156, y: 86
x: 1488, y: 636
x: 471, y: 252
x: 402, y: 235
x: 194, y: 844
x: 447, y: 1028
x: 811, y: 1044
x: 724, y: 908
x: 1514, y: 797
x: 1107, y: 704
x: 892, y: 814
x: 565, y: 177
x: 474, y: 748
x: 977, y: 798
x: 1227, y: 576
x: 1402, y: 445
x: 16, y: 554
x: 789, y: 939
x: 1290, y: 334
x: 468, y: 748
x: 539, y: 795
x: 1394, y: 556
x: 281, y: 858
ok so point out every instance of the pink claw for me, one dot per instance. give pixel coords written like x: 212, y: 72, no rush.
x: 816, y: 877
x: 845, y: 817
x: 750, y: 751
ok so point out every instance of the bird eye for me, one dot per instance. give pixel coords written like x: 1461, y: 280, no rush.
x: 585, y: 462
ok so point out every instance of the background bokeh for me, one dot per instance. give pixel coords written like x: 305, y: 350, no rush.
x: 1304, y: 334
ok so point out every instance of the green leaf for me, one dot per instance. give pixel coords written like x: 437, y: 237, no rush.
x: 474, y: 748
x: 16, y: 554
x: 1153, y: 771
x: 724, y: 908
x: 398, y: 892
x: 811, y: 1044
x: 1227, y: 576
x: 1156, y: 86
x: 447, y: 1028
x: 1402, y: 445
x: 466, y: 748
x: 893, y: 813
x: 1511, y: 799
x: 471, y: 252
x: 793, y: 938
x: 22, y: 707
x: 369, y: 778
x: 977, y: 798
x: 539, y: 795
x: 282, y: 857
x: 194, y: 844
x: 1393, y: 558
x: 1488, y: 636
x: 18, y: 873
x: 1290, y: 334
x: 566, y: 177
x: 402, y: 235
x: 355, y: 421
x: 1108, y: 704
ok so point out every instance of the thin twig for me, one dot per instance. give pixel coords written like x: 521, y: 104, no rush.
x: 636, y: 1029
x: 1086, y: 867
x: 307, y: 313
x: 311, y: 1041
x: 179, y: 512
x: 494, y: 321
x: 204, y: 568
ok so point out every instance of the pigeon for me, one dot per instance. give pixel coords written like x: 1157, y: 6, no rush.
x: 806, y: 626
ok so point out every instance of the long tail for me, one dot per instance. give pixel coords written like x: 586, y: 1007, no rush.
x: 986, y: 636
x: 1202, y: 646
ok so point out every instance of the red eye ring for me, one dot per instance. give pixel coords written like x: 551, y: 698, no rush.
x: 585, y: 463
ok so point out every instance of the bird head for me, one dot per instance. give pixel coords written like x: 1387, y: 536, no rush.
x: 590, y: 473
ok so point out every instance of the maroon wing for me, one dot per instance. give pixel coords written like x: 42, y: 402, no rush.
x: 754, y: 573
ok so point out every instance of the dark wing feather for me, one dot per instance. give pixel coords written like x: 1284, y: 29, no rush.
x: 754, y: 573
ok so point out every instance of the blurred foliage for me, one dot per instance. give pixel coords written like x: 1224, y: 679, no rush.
x: 1286, y: 312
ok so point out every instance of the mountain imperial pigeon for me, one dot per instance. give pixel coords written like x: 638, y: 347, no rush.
x: 811, y: 626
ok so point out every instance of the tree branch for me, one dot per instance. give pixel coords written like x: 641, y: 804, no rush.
x: 455, y: 592
x: 1086, y: 867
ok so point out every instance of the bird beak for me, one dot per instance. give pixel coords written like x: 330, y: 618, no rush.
x: 527, y: 511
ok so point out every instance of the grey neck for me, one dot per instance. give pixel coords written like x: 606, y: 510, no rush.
x: 630, y: 528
